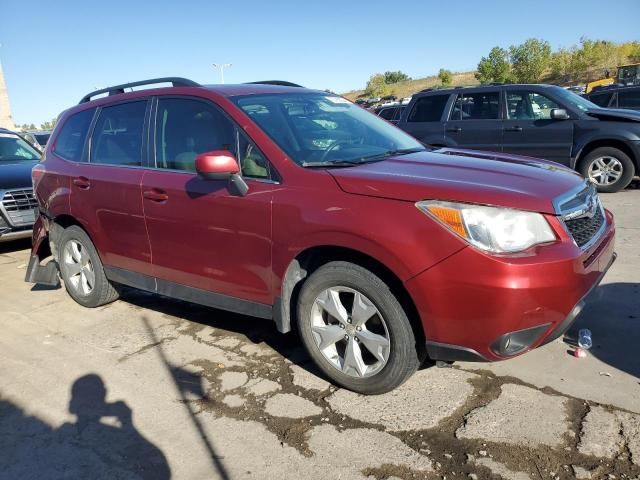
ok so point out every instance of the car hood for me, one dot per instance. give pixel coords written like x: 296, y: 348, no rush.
x: 614, y: 114
x: 462, y: 176
x: 15, y: 174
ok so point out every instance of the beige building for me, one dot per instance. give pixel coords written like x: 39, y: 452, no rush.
x: 6, y: 120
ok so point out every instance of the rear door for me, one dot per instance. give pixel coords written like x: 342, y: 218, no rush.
x: 105, y: 191
x: 424, y: 119
x: 529, y: 129
x: 203, y: 236
x: 475, y: 120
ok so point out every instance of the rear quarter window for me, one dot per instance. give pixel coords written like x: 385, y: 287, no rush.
x: 70, y: 141
x: 428, y: 109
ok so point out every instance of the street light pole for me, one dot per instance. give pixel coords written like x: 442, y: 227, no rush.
x: 222, y: 66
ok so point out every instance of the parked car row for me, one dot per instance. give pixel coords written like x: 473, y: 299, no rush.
x: 616, y: 97
x: 299, y: 207
x: 18, y: 206
x: 390, y: 113
x: 543, y: 121
x: 37, y: 138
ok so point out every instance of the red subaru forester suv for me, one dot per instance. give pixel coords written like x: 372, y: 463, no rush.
x: 298, y: 206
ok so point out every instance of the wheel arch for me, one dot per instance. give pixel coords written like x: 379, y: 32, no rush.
x: 591, y: 145
x: 58, y: 225
x: 312, y: 258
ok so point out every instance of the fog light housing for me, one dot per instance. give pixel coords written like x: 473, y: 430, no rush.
x: 516, y: 342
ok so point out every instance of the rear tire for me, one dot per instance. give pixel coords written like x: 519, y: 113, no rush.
x: 367, y: 345
x: 82, y: 271
x: 608, y: 168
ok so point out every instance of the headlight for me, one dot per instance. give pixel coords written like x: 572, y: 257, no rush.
x: 493, y: 229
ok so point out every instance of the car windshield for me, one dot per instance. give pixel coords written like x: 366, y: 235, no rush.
x: 15, y: 149
x: 574, y: 100
x: 316, y: 129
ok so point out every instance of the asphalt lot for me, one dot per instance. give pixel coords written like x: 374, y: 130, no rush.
x: 154, y: 388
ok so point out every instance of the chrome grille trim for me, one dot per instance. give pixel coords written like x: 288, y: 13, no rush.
x: 17, y: 206
x: 582, y: 205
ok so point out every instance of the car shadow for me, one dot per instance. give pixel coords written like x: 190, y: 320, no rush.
x: 102, y: 442
x: 256, y: 330
x: 612, y: 314
x: 15, y: 246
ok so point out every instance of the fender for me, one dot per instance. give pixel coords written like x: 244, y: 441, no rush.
x: 348, y: 241
x: 584, y: 139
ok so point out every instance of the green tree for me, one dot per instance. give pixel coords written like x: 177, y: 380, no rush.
x: 445, y: 77
x: 50, y: 125
x: 376, y: 86
x: 560, y: 62
x: 530, y: 59
x: 495, y: 67
x: 395, y: 77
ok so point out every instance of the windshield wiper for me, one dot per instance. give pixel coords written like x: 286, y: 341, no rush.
x: 359, y: 161
x: 332, y: 163
x: 391, y: 153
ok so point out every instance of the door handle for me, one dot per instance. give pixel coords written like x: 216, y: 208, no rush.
x: 155, y: 195
x: 454, y: 130
x: 513, y: 129
x: 82, y: 182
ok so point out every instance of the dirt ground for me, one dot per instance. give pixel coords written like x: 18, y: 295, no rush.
x: 150, y: 387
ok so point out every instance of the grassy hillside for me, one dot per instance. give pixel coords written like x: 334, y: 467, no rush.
x: 406, y: 89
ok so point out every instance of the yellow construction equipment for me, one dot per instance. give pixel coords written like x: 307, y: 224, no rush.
x: 626, y: 75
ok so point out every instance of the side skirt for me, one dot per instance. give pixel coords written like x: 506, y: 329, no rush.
x: 188, y: 294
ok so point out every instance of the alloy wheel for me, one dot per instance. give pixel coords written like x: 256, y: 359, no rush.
x: 350, y: 332
x: 605, y: 170
x: 80, y: 272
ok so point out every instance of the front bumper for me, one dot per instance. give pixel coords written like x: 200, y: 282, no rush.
x: 479, y: 307
x: 15, y: 235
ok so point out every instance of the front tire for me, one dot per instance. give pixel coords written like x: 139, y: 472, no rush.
x: 82, y: 271
x: 355, y: 329
x: 608, y: 168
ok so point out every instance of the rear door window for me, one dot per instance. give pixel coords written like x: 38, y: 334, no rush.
x: 117, y: 136
x: 70, y: 142
x: 476, y: 106
x: 428, y: 108
x: 629, y: 99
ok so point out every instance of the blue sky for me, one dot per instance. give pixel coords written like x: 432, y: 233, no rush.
x: 53, y: 52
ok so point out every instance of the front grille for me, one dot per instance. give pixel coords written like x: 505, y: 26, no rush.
x: 583, y: 215
x: 585, y: 228
x: 20, y: 205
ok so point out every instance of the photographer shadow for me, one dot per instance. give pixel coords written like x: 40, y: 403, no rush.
x: 102, y: 443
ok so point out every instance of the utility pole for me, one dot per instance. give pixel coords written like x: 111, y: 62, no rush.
x: 222, y: 66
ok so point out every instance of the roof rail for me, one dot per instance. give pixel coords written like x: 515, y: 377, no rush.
x: 117, y: 89
x: 282, y: 83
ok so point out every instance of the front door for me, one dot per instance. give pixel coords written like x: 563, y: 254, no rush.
x: 529, y: 129
x: 474, y: 121
x: 105, y: 191
x: 203, y: 236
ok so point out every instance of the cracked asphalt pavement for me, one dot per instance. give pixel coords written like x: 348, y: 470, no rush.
x: 154, y: 388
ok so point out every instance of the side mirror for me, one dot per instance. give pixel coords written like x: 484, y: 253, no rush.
x: 217, y: 165
x: 559, y: 114
x: 222, y: 165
